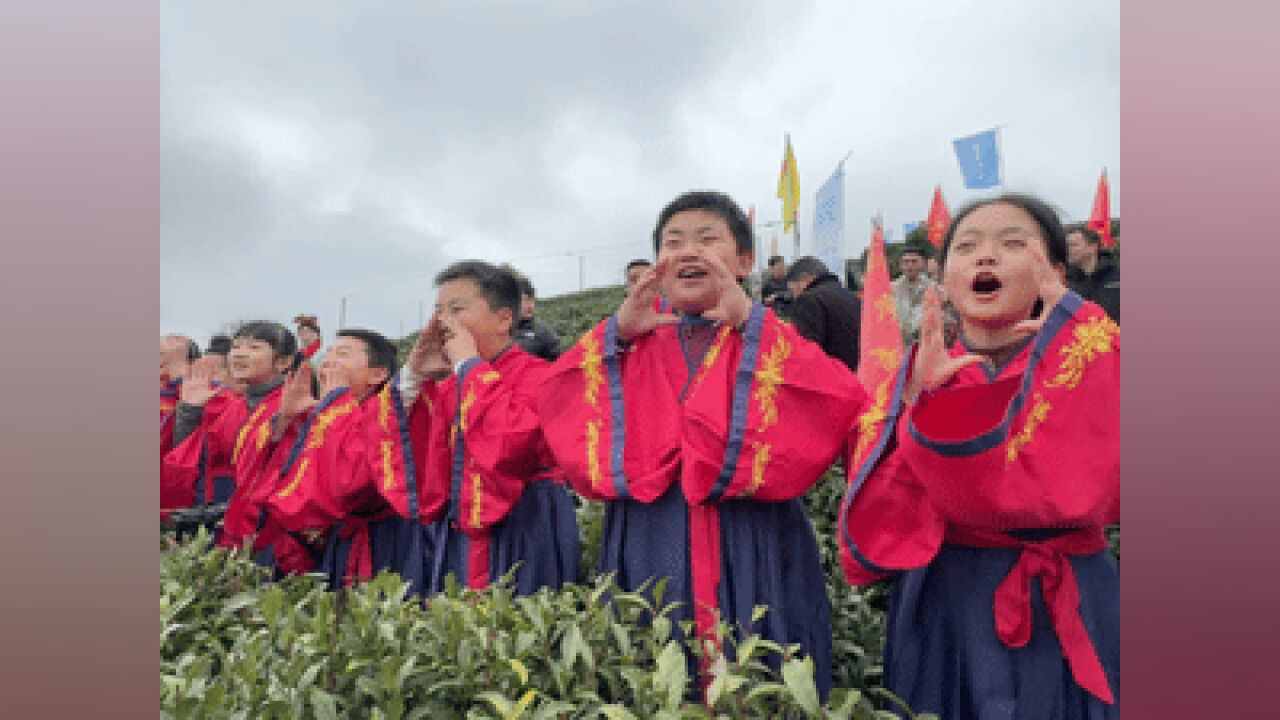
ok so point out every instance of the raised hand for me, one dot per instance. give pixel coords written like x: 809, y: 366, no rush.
x: 637, y: 315
x: 1051, y: 290
x: 459, y: 344
x: 426, y: 358
x: 173, y: 357
x: 295, y: 395
x: 934, y: 366
x: 733, y: 307
x: 333, y: 376
x: 197, y: 386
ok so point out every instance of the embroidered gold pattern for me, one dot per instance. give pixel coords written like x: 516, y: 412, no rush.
x: 593, y: 448
x: 768, y: 378
x: 315, y: 438
x: 591, y: 365
x: 264, y: 434
x: 759, y: 461
x: 868, y: 421
x: 1039, y: 411
x: 297, y: 478
x: 388, y: 468
x: 1091, y: 339
x: 244, y: 431
x: 384, y: 408
x: 476, y: 497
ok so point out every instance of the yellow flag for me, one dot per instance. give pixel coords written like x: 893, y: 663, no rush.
x: 789, y: 187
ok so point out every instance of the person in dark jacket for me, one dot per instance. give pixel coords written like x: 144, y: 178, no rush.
x: 774, y: 291
x: 532, y: 336
x: 824, y: 311
x: 1091, y: 273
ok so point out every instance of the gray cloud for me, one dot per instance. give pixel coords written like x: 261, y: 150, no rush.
x: 312, y: 151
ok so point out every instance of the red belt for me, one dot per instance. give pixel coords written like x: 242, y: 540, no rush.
x: 355, y: 528
x: 1049, y: 561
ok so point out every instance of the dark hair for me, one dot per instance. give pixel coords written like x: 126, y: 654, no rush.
x: 638, y: 262
x: 382, y: 352
x: 713, y: 202
x: 526, y: 285
x: 193, y: 350
x: 219, y: 345
x: 1091, y: 236
x: 915, y: 250
x: 1040, y: 211
x: 282, y: 342
x: 775, y: 260
x: 807, y: 265
x: 499, y: 287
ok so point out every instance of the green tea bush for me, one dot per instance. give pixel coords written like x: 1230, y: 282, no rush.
x: 234, y: 645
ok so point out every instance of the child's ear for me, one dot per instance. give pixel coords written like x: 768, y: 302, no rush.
x: 745, y: 260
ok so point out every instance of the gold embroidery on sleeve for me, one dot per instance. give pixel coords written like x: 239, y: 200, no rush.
x: 476, y: 497
x: 1039, y: 411
x: 1091, y: 339
x: 591, y: 368
x: 768, y: 378
x: 297, y: 478
x: 593, y: 448
x: 759, y: 461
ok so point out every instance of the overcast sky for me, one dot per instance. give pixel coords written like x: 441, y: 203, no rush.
x: 316, y: 150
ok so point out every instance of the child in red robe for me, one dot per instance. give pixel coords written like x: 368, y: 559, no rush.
x: 985, y: 494
x: 217, y: 427
x: 327, y: 484
x: 702, y: 430
x: 484, y: 489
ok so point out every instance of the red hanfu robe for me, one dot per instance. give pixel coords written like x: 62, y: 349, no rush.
x: 329, y: 479
x: 1016, y: 473
x: 756, y: 423
x: 242, y: 439
x: 477, y: 447
x: 181, y: 470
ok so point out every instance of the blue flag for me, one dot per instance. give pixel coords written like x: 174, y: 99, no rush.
x: 828, y: 221
x: 979, y: 157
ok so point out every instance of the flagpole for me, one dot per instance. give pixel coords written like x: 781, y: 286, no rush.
x: 1004, y: 180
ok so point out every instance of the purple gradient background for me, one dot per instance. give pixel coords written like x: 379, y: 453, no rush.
x: 78, y: 282
x: 79, y: 205
x: 1202, y: 171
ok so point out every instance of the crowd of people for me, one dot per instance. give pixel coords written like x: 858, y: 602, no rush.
x: 700, y: 413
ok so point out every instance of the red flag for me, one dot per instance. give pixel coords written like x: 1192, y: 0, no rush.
x: 880, y: 345
x: 939, y: 218
x: 881, y: 338
x: 1100, y: 218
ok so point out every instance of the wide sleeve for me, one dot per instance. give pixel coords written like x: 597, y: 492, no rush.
x: 608, y: 415
x: 1033, y: 450
x: 766, y: 416
x: 208, y: 445
x: 498, y: 443
x: 886, y: 521
x: 327, y: 467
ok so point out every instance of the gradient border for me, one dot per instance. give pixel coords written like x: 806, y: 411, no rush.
x: 79, y: 200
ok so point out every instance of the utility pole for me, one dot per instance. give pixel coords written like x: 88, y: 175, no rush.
x: 342, y: 312
x: 582, y: 272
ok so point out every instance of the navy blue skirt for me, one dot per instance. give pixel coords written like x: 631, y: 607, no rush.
x: 540, y: 533
x: 768, y: 556
x: 942, y: 654
x: 390, y: 541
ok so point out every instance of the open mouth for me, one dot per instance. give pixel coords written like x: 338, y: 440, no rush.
x: 691, y: 273
x: 985, y: 284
